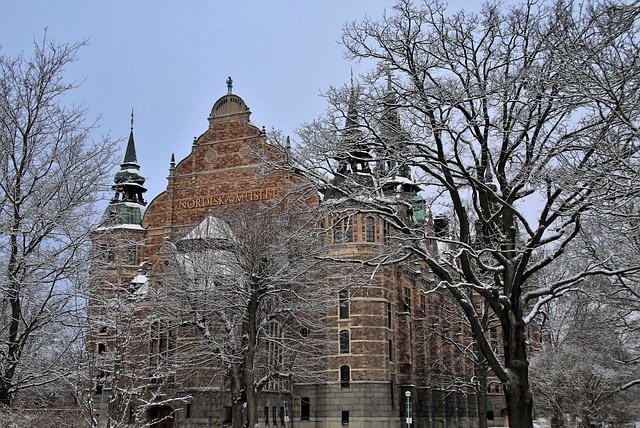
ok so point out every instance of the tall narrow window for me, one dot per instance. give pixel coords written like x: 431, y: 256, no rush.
x: 305, y: 409
x: 343, y: 297
x: 343, y: 229
x: 162, y: 347
x: 407, y: 299
x: 275, y: 353
x: 386, y: 232
x: 389, y: 314
x: 348, y: 229
x: 494, y: 338
x: 266, y: 415
x: 227, y: 415
x: 390, y: 350
x: 111, y: 255
x: 345, y: 376
x: 344, y: 341
x: 337, y: 230
x: 370, y: 229
x: 345, y: 417
x: 131, y: 254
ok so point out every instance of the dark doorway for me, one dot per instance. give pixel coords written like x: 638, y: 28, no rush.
x: 161, y: 417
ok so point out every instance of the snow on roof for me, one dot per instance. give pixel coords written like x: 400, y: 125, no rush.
x: 210, y: 228
x: 400, y: 179
x: 121, y: 226
x: 142, y: 208
x: 140, y: 279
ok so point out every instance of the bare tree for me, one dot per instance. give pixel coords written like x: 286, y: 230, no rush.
x: 519, y: 121
x: 581, y: 372
x: 247, y: 298
x: 120, y: 378
x: 586, y: 367
x: 50, y: 174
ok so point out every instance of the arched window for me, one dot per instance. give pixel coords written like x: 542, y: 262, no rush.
x: 342, y: 229
x: 348, y: 229
x: 344, y: 341
x: 370, y: 229
x: 345, y: 376
x: 337, y: 230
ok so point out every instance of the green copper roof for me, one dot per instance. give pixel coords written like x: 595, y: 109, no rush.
x: 122, y: 214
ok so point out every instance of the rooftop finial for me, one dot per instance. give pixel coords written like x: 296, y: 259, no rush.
x: 131, y: 119
x: 229, y: 85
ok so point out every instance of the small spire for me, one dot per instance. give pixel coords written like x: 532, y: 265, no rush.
x: 389, y: 79
x: 130, y: 154
x: 172, y: 166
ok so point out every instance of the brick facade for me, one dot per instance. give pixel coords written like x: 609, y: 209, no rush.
x: 392, y: 346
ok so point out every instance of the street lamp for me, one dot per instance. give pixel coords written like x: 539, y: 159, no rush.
x: 286, y: 413
x: 409, y: 418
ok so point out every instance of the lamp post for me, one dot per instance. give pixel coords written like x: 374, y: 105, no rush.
x: 286, y: 413
x: 409, y: 418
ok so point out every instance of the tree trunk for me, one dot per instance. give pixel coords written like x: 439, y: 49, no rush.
x: 518, y: 395
x: 518, y: 390
x: 252, y: 345
x: 237, y: 395
x: 252, y: 407
x: 481, y: 373
x: 519, y: 403
x: 5, y: 395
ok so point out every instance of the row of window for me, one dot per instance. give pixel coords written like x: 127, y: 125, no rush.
x: 344, y: 310
x: 343, y: 229
x: 108, y: 254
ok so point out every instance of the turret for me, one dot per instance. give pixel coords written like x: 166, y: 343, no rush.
x: 127, y: 205
x: 354, y: 162
x: 392, y: 170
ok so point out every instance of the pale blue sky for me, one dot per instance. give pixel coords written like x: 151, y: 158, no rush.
x: 169, y: 61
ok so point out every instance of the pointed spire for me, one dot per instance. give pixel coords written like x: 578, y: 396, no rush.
x: 129, y: 184
x: 127, y: 205
x: 130, y: 155
x: 352, y: 111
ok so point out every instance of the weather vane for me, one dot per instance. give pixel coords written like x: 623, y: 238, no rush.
x: 229, y: 85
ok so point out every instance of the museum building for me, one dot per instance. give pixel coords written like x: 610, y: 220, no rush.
x: 390, y: 362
